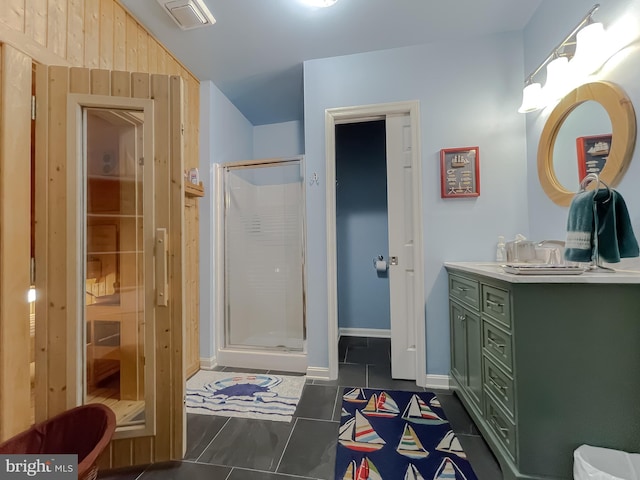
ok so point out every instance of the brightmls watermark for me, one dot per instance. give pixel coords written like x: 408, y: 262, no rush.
x: 52, y: 467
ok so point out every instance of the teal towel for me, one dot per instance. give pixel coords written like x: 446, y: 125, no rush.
x: 615, y: 233
x: 580, y: 224
x: 607, y: 212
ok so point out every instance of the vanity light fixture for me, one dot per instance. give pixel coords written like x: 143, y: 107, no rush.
x: 578, y: 55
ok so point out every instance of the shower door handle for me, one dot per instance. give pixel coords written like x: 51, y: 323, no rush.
x: 161, y: 267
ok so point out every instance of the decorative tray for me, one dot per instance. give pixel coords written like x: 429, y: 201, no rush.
x: 541, y: 269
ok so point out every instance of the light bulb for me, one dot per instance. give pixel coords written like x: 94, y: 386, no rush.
x: 531, y: 98
x: 319, y: 3
x: 558, y: 80
x: 590, y: 46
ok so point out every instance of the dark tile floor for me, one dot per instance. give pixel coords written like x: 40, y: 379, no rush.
x: 221, y: 448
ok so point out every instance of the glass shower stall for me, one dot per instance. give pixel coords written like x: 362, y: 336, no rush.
x: 263, y: 257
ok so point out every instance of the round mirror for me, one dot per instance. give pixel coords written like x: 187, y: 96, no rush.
x: 556, y: 176
x: 587, y: 120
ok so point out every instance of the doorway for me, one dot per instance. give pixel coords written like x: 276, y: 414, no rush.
x: 406, y: 277
x: 362, y: 229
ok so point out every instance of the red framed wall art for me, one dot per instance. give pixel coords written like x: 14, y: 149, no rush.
x: 460, y: 172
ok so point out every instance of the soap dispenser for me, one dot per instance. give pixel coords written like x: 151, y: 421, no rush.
x: 501, y: 250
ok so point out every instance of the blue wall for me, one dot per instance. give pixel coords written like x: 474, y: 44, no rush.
x: 469, y: 93
x: 552, y: 21
x: 225, y: 136
x: 361, y: 225
x: 278, y: 140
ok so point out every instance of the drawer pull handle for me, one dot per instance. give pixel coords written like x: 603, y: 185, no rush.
x: 501, y: 430
x: 491, y: 303
x: 499, y: 346
x: 462, y: 289
x: 502, y: 388
x: 462, y: 318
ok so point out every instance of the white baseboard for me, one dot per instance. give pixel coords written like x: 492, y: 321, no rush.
x: 320, y: 373
x: 208, y: 363
x: 440, y: 382
x: 365, y: 332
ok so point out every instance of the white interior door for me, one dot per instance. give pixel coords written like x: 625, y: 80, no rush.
x: 401, y: 246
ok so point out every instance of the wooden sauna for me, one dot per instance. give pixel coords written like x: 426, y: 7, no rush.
x: 95, y: 47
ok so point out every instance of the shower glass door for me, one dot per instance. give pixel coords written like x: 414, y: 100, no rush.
x: 264, y: 256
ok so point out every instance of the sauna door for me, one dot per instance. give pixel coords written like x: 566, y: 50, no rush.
x: 113, y: 209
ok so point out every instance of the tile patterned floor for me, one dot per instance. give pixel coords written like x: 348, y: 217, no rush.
x: 222, y: 448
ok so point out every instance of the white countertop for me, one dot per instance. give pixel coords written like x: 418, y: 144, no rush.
x: 493, y: 270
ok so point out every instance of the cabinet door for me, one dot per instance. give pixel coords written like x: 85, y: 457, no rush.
x: 458, y: 343
x: 466, y: 350
x: 474, y: 355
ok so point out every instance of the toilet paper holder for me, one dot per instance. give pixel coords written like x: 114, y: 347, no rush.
x: 379, y: 264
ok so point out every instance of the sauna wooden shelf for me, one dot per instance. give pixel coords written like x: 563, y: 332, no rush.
x: 191, y: 190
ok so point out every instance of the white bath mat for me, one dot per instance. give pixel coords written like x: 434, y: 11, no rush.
x: 248, y: 395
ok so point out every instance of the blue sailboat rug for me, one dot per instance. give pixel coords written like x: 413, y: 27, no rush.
x: 394, y: 435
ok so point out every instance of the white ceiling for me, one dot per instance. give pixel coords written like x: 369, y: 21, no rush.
x: 254, y: 52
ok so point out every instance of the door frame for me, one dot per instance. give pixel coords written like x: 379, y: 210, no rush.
x: 54, y: 181
x: 76, y: 248
x: 229, y: 356
x: 344, y: 115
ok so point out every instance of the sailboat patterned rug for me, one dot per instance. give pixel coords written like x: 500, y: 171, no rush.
x: 248, y: 395
x: 394, y: 435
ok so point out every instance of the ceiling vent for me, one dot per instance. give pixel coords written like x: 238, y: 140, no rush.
x: 188, y: 14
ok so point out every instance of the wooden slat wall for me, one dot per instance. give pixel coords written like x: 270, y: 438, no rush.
x: 176, y: 265
x: 55, y: 311
x: 42, y: 248
x: 93, y: 34
x: 167, y: 93
x: 192, y: 242
x: 102, y: 34
x: 15, y: 227
x: 191, y: 299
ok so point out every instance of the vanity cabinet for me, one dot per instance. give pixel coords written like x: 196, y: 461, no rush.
x: 466, y: 335
x: 545, y: 364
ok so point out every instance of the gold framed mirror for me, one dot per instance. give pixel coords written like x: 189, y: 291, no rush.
x: 623, y: 136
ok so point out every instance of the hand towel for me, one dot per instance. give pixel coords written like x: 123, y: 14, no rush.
x: 605, y: 211
x: 580, y: 224
x: 615, y: 238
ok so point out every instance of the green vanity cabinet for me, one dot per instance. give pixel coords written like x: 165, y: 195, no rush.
x: 466, y: 340
x: 544, y: 364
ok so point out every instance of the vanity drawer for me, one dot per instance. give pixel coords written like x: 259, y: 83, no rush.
x: 495, y: 303
x: 497, y: 343
x: 499, y: 384
x: 499, y: 423
x: 465, y: 290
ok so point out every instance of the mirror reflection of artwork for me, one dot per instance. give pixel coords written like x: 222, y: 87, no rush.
x: 588, y: 118
x: 593, y: 152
